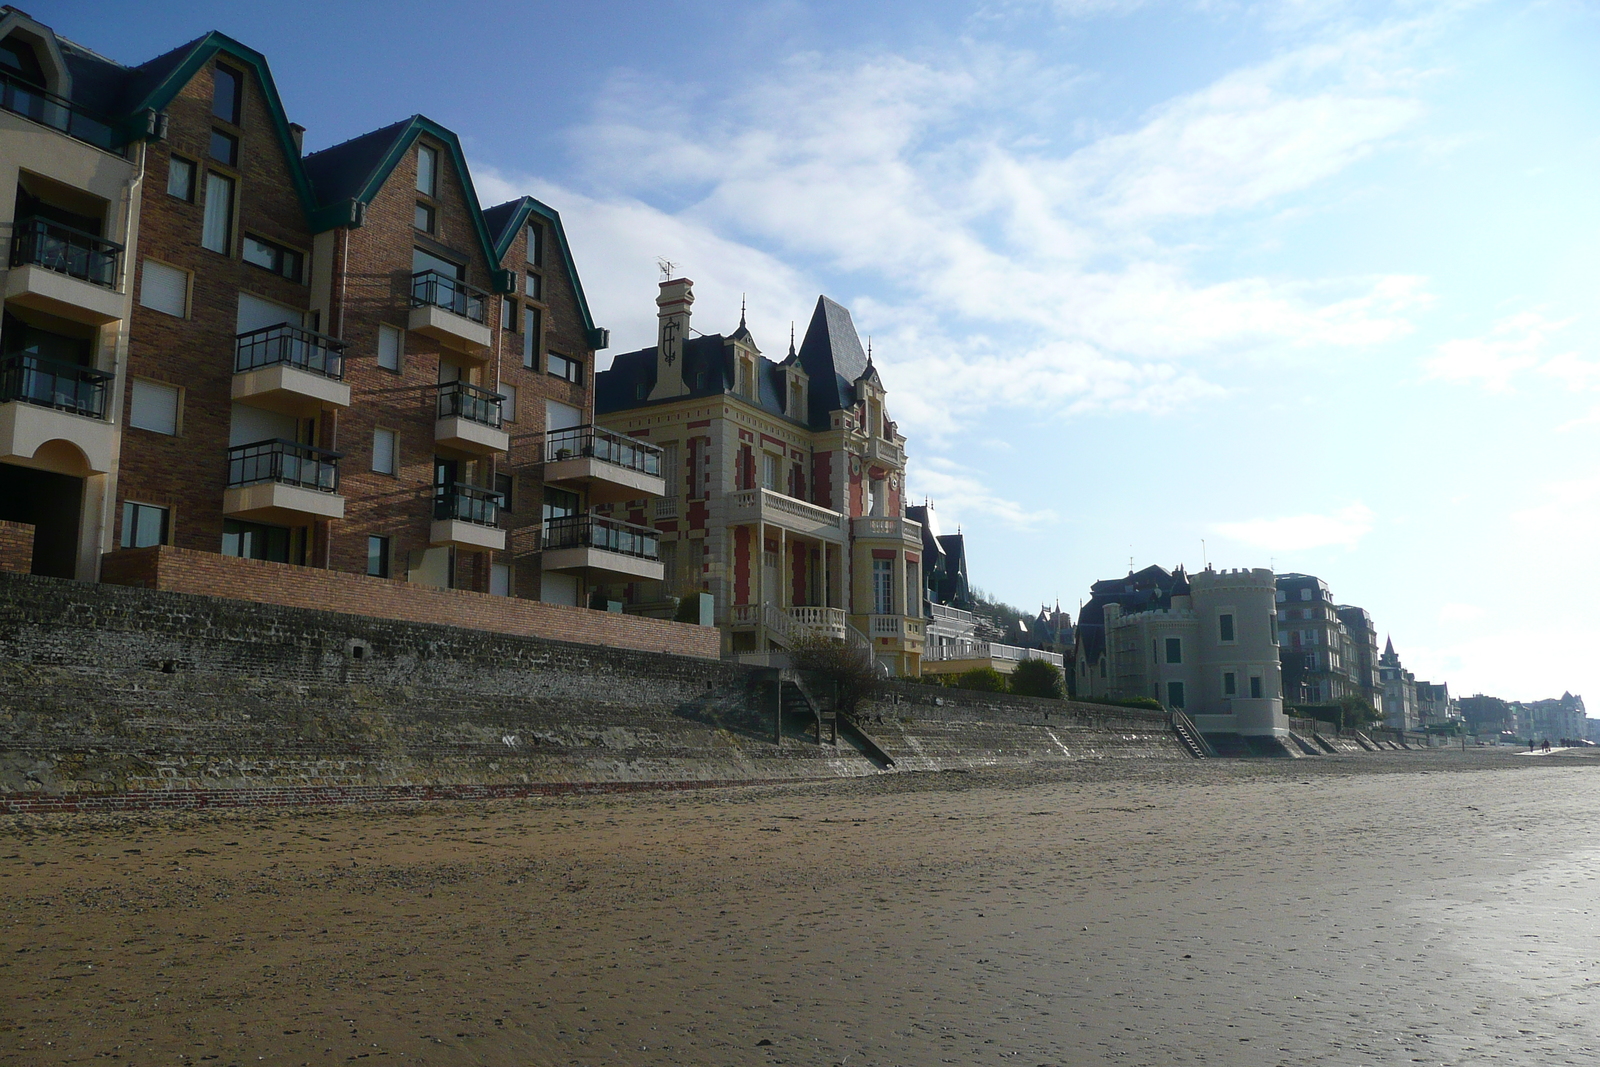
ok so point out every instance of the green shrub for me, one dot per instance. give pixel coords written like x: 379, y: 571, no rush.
x: 982, y: 680
x: 1037, y: 678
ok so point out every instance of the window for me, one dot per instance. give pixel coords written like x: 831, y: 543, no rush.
x: 1305, y: 594
x: 1175, y: 650
x: 164, y: 288
x: 533, y: 285
x: 143, y: 525
x: 508, y: 403
x: 276, y: 258
x: 562, y: 367
x: 1311, y: 661
x: 883, y: 587
x: 423, y: 219
x: 391, y: 347
x: 153, y: 407
x: 1225, y: 627
x: 503, y: 484
x: 1230, y: 684
x: 1175, y: 694
x: 225, y: 148
x: 670, y: 474
x: 532, y: 337
x: 255, y: 541
x: 217, y: 232
x: 770, y: 465
x: 913, y: 589
x: 559, y: 503
x: 227, y: 91
x: 383, y: 451
x: 1255, y: 686
x: 508, y: 314
x: 180, y: 178
x: 427, y: 170
x: 536, y: 244
x: 422, y: 259
x: 377, y: 557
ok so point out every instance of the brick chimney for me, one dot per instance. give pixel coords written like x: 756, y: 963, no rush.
x: 672, y: 331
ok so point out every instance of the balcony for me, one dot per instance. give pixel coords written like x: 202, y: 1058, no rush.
x: 467, y: 516
x: 47, y: 109
x: 451, y: 312
x: 469, y: 420
x: 611, y: 550
x: 1003, y: 657
x: 776, y: 509
x: 886, y: 452
x: 283, y: 482
x: 611, y: 467
x: 43, y: 402
x: 897, y: 628
x: 286, y: 369
x: 872, y: 528
x: 64, y: 271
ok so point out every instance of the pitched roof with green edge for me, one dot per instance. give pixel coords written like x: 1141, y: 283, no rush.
x: 506, y: 220
x: 354, y: 171
x: 157, y: 82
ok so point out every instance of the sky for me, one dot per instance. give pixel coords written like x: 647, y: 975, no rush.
x: 1308, y: 285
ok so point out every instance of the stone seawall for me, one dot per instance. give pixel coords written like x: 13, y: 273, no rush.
x: 116, y: 697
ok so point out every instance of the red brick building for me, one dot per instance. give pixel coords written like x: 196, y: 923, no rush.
x: 337, y: 360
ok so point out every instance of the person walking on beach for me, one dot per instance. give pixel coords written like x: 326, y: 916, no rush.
x: 1530, y: 744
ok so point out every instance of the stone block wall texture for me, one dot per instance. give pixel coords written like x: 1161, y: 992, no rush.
x: 114, y: 698
x: 212, y: 574
x: 16, y: 547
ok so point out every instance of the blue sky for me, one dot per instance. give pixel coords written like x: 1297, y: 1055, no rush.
x: 1311, y: 282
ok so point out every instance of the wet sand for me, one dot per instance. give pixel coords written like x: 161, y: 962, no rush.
x: 1427, y: 907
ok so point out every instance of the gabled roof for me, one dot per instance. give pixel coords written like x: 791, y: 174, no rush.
x: 504, y: 221
x: 156, y: 83
x: 832, y: 355
x: 354, y: 171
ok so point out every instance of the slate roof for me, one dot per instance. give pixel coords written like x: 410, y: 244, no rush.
x: 830, y: 351
x: 1147, y: 590
x: 342, y: 171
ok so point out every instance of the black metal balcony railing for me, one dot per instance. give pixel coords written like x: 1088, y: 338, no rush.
x: 31, y: 102
x: 286, y: 462
x: 603, y: 445
x: 452, y: 294
x: 51, y: 384
x: 292, y: 346
x: 592, y: 531
x: 42, y: 243
x: 470, y: 402
x: 468, y: 503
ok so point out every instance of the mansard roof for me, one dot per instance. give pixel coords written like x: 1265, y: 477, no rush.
x: 1147, y: 590
x: 832, y: 355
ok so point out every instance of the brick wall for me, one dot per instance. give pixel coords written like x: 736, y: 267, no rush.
x: 210, y: 574
x: 16, y: 547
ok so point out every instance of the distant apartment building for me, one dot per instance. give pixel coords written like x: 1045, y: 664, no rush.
x: 1399, y: 705
x: 1205, y: 644
x: 1435, y: 706
x: 1316, y: 647
x: 336, y: 360
x: 785, y: 484
x: 1360, y: 654
x: 1558, y: 718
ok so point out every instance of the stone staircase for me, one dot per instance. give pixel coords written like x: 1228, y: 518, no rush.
x: 1191, y: 737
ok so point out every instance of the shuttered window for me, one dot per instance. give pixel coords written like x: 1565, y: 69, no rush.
x: 164, y: 288
x: 153, y: 407
x: 383, y: 451
x: 390, y: 347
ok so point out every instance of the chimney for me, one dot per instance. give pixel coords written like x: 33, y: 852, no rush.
x: 297, y: 133
x: 677, y: 297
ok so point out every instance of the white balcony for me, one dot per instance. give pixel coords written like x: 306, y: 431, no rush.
x: 464, y: 534
x: 610, y: 467
x: 885, y: 452
x: 776, y: 509
x: 895, y: 628
x: 287, y: 369
x: 904, y: 531
x: 52, y: 416
x: 64, y: 296
x: 281, y: 504
x: 451, y: 312
x: 65, y: 272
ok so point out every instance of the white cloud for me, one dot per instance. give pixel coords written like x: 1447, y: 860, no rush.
x: 1514, y: 346
x: 1290, y: 533
x: 1461, y: 613
x: 963, y: 495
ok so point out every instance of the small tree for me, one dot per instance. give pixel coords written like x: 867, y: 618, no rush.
x: 854, y: 675
x: 1356, y: 713
x: 982, y: 680
x: 1037, y: 678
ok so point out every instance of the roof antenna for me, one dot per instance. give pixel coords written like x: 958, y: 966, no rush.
x: 1203, y: 557
x: 741, y: 309
x: 667, y: 267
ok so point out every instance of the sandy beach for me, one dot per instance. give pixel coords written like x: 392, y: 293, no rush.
x: 1427, y: 907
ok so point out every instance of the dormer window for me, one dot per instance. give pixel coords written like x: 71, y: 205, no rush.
x: 427, y: 170
x: 797, y: 400
x: 18, y: 61
x: 747, y: 377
